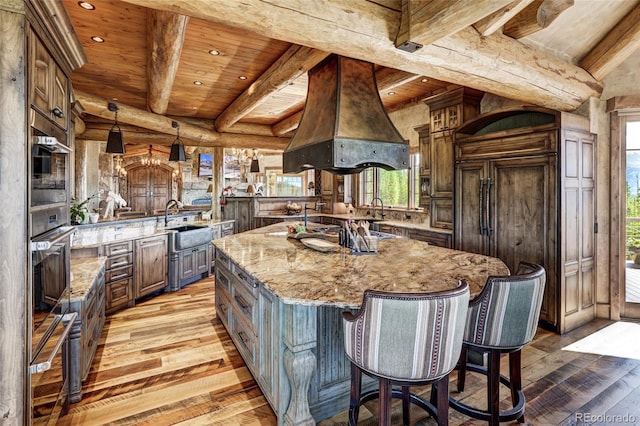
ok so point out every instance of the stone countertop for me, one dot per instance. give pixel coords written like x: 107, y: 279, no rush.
x: 299, y: 275
x: 84, y: 272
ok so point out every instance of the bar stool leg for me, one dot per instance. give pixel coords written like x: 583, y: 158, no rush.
x: 493, y: 390
x: 515, y: 377
x: 385, y: 403
x: 442, y: 403
x: 406, y: 405
x: 462, y: 369
x: 354, y: 401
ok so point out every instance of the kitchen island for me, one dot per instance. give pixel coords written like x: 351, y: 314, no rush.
x: 282, y: 302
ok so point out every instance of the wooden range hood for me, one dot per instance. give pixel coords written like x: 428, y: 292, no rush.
x: 344, y: 127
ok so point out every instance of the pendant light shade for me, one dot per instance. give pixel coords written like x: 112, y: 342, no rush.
x: 255, y: 166
x: 115, y: 141
x: 177, y: 149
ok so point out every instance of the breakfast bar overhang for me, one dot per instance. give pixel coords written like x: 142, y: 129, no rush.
x: 282, y: 302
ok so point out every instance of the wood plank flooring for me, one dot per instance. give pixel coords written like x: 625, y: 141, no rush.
x: 170, y: 361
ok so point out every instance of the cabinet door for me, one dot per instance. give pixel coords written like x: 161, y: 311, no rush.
x: 522, y: 209
x: 425, y: 153
x: 470, y: 204
x: 202, y: 260
x: 187, y: 264
x: 438, y: 120
x: 442, y: 164
x: 151, y: 265
x: 244, y: 215
x: 40, y: 75
x: 59, y: 97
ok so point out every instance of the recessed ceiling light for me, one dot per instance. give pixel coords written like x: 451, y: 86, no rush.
x: 391, y: 93
x: 86, y: 5
x: 243, y: 77
x: 214, y: 52
x: 424, y: 80
x: 97, y: 39
x: 197, y: 83
x: 114, y: 99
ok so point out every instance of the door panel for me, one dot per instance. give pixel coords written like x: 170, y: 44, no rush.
x: 149, y: 188
x: 470, y: 201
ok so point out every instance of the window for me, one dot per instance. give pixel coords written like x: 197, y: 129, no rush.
x: 286, y: 185
x: 396, y: 188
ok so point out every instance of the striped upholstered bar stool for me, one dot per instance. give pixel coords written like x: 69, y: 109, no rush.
x: 503, y: 318
x: 405, y: 340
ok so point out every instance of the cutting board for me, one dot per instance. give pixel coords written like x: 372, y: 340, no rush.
x: 320, y: 245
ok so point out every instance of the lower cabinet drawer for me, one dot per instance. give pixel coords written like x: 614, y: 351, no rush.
x: 119, y: 273
x: 223, y: 305
x: 244, y: 304
x: 244, y: 339
x: 118, y: 293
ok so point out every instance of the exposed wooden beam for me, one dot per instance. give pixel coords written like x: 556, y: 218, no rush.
x: 238, y: 128
x: 496, y: 20
x: 622, y: 41
x: 431, y: 20
x: 363, y: 30
x: 536, y: 16
x: 386, y: 78
x: 292, y: 64
x: 165, y: 39
x: 98, y: 106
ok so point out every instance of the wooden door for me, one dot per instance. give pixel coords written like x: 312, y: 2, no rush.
x: 522, y: 218
x: 577, y: 256
x: 151, y: 265
x: 149, y: 188
x: 470, y: 203
x: 41, y: 75
x: 442, y: 164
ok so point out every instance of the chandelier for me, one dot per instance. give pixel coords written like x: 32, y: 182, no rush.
x: 150, y: 160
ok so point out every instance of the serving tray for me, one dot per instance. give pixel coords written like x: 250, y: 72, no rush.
x: 320, y: 245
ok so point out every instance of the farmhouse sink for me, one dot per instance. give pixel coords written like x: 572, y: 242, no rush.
x: 188, y: 236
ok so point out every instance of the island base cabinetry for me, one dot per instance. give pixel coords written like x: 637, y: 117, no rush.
x: 294, y: 352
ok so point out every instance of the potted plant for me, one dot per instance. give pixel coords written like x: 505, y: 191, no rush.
x: 79, y: 211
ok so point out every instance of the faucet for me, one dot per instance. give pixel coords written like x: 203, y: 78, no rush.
x: 317, y: 207
x: 166, y: 210
x: 381, y: 205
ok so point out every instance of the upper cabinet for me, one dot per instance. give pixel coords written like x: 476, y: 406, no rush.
x: 49, y: 84
x: 447, y: 112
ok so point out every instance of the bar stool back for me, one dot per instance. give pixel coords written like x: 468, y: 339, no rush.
x: 405, y: 339
x: 503, y: 318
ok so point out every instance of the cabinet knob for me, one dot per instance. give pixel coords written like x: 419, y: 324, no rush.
x: 57, y: 112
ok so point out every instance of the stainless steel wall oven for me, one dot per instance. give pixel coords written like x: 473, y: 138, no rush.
x: 49, y: 283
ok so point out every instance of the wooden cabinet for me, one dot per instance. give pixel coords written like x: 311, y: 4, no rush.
x: 242, y: 211
x: 89, y: 303
x: 525, y: 192
x: 149, y: 188
x: 151, y: 265
x: 447, y: 112
x: 49, y: 84
x: 119, y: 275
x: 194, y: 262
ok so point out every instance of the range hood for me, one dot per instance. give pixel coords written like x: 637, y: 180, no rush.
x: 344, y: 127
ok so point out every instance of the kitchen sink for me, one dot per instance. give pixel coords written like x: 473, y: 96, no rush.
x: 188, y: 236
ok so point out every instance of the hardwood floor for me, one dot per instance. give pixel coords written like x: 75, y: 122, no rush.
x: 170, y: 361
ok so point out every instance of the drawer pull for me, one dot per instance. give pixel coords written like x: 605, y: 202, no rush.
x: 122, y: 262
x: 243, y: 336
x: 119, y: 276
x: 243, y: 304
x: 223, y: 307
x: 244, y: 278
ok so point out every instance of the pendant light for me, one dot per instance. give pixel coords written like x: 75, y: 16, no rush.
x: 177, y: 149
x: 255, y: 166
x: 115, y: 142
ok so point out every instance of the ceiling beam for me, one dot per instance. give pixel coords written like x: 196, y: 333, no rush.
x: 496, y: 20
x: 620, y: 43
x: 292, y: 64
x: 98, y: 106
x: 535, y: 17
x: 365, y: 30
x: 431, y: 20
x: 165, y: 39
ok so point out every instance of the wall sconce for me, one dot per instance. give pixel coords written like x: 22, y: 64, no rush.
x: 177, y: 149
x: 255, y: 166
x: 210, y: 188
x: 115, y: 142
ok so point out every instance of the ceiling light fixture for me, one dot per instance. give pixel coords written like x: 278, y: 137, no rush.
x: 115, y: 141
x: 150, y: 160
x: 243, y: 77
x: 391, y: 93
x: 86, y: 5
x: 197, y: 83
x: 177, y: 149
x: 97, y: 39
x: 255, y: 165
x: 424, y: 80
x: 214, y: 52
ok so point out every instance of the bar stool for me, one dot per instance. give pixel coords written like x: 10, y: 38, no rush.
x: 503, y: 318
x: 405, y: 339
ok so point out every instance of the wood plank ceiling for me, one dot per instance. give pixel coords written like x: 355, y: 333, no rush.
x: 252, y: 57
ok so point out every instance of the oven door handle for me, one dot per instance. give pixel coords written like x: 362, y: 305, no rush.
x: 47, y: 244
x: 44, y: 366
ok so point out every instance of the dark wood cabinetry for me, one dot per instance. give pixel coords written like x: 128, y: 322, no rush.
x: 242, y: 210
x: 525, y: 192
x: 447, y: 111
x: 149, y: 188
x: 119, y: 275
x: 151, y: 264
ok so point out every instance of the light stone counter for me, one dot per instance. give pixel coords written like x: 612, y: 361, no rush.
x: 300, y: 275
x: 84, y: 272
